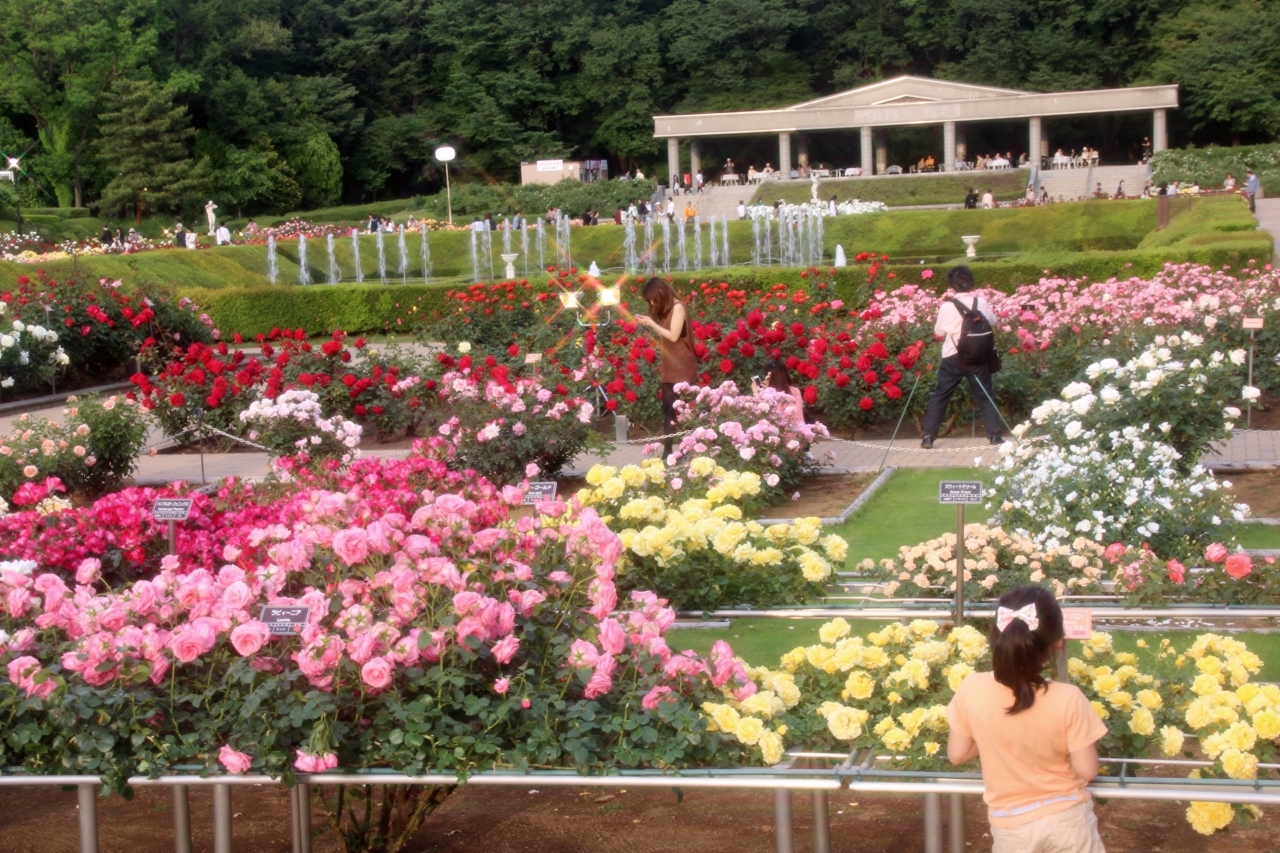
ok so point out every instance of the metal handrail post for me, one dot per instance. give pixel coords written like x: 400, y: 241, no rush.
x: 932, y: 823
x: 955, y: 823
x: 221, y: 818
x: 181, y: 819
x: 821, y: 822
x: 88, y: 800
x: 783, y: 830
x: 304, y: 817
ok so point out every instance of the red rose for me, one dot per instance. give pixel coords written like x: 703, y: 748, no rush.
x: 810, y: 394
x: 841, y: 380
x: 866, y: 403
x: 360, y: 410
x: 726, y: 366
x: 177, y: 399
x: 513, y: 350
x: 870, y: 377
x: 331, y: 347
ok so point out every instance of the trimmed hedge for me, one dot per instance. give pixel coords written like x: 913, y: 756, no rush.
x: 942, y: 188
x: 1209, y: 166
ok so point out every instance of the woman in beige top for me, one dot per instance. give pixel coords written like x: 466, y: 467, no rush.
x: 677, y: 362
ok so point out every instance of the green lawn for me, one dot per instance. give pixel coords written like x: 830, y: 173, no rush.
x: 905, y: 511
x: 900, y: 192
x: 1259, y: 536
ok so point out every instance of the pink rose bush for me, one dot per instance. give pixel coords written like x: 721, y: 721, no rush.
x: 440, y: 633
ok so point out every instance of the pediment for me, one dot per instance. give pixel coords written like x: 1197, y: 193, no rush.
x: 906, y: 90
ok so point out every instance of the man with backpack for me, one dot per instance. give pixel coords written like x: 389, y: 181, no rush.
x: 965, y: 327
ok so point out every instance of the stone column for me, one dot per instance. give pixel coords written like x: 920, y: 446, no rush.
x: 882, y: 149
x: 802, y: 149
x: 1034, y: 143
x: 673, y: 161
x: 784, y: 155
x: 695, y: 159
x: 867, y: 163
x: 1159, y: 131
x: 962, y: 148
x: 949, y: 146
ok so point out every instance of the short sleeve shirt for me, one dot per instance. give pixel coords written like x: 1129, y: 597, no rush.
x: 1024, y: 756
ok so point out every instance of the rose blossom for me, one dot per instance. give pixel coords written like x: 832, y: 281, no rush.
x: 235, y: 762
x: 1215, y: 553
x: 308, y: 763
x: 249, y: 637
x: 377, y: 673
x: 351, y: 546
x: 1177, y: 571
x: 1239, y: 566
x: 501, y: 686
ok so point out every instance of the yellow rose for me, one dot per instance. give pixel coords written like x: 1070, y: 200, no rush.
x: 1199, y: 714
x: 1209, y: 665
x: 599, y: 474
x: 1100, y: 709
x: 725, y: 718
x: 931, y: 748
x: 819, y: 656
x: 896, y: 739
x: 875, y: 658
x: 913, y: 720
x: 1171, y: 741
x: 749, y: 730
x: 957, y: 673
x: 836, y: 629
x: 789, y: 694
x: 1099, y: 643
x: 761, y: 704
x: 884, y: 725
x: 932, y: 652
x: 1240, y: 765
x: 1208, y: 818
x: 1205, y: 685
x: 860, y: 685
x: 1106, y: 683
x: 794, y: 659
x: 1142, y: 722
x: 1120, y: 700
x: 894, y: 697
x: 923, y: 628
x: 701, y: 466
x: 633, y: 476
x: 1267, y: 724
x: 1150, y: 699
x: 771, y: 747
x: 1241, y: 736
x: 836, y: 547
x: 846, y: 723
x: 1126, y: 658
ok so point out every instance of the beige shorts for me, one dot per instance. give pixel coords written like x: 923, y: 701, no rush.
x: 1073, y: 830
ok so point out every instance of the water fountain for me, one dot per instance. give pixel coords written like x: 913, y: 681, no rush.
x: 506, y: 236
x: 382, y: 256
x: 757, y: 249
x: 426, y: 256
x: 697, y: 243
x: 724, y: 241
x: 335, y: 272
x: 486, y: 247
x: 666, y: 244
x: 475, y: 255
x: 768, y: 241
x: 819, y: 225
x: 683, y: 264
x: 715, y: 246
x: 304, y: 272
x: 629, y: 246
x: 562, y: 240
x: 542, y: 245
x: 840, y: 258
x: 355, y: 253
x: 272, y: 270
x: 649, y: 246
x: 404, y: 256
x: 524, y: 247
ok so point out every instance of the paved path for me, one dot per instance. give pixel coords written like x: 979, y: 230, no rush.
x: 1269, y: 217
x: 1245, y: 449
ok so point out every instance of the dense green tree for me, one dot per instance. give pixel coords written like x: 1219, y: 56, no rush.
x: 318, y: 166
x: 144, y: 141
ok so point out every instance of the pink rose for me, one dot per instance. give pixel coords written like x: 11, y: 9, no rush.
x: 599, y: 685
x: 186, y: 645
x: 1177, y: 571
x: 654, y: 696
x: 582, y: 654
x: 505, y: 649
x: 21, y: 671
x: 1215, y: 553
x: 377, y: 673
x: 308, y: 763
x: 235, y: 762
x: 532, y: 470
x: 612, y: 638
x: 250, y: 636
x: 1114, y: 552
x: 87, y: 571
x: 501, y: 686
x: 351, y: 546
x: 1239, y: 566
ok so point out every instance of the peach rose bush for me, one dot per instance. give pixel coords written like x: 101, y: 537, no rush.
x: 443, y: 634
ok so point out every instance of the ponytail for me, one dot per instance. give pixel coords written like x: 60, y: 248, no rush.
x: 1021, y: 642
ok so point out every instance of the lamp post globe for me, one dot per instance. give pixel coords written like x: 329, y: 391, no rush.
x: 445, y: 154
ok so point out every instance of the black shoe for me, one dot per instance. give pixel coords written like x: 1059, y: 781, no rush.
x: 996, y: 439
x: 927, y: 442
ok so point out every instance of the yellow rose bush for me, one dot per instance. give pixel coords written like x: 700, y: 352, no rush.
x: 690, y: 541
x: 995, y: 561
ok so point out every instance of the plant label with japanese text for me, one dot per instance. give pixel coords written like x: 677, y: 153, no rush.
x: 960, y: 492
x: 1077, y: 623
x: 171, y: 509
x: 284, y: 619
x: 540, y: 491
x: 1253, y: 322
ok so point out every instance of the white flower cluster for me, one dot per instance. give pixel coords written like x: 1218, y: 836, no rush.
x: 1099, y: 470
x: 22, y: 339
x: 301, y: 408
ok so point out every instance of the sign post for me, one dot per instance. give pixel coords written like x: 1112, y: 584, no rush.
x: 960, y: 493
x: 1253, y: 324
x: 1077, y: 624
x: 172, y: 510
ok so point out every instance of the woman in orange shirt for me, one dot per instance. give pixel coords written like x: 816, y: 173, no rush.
x: 1036, y: 739
x: 677, y: 361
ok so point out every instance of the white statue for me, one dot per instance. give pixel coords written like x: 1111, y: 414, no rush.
x: 813, y: 185
x: 211, y: 207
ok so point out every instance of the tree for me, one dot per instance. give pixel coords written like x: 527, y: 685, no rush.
x: 144, y: 139
x: 319, y: 170
x: 58, y: 59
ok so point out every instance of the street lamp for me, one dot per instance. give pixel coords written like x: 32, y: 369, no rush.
x: 14, y: 169
x: 445, y: 154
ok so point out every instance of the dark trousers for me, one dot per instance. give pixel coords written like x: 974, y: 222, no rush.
x: 1253, y: 202
x: 949, y: 376
x: 669, y: 397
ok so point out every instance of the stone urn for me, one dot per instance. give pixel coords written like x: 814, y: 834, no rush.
x: 971, y: 241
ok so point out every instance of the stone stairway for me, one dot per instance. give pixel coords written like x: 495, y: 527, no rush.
x: 1073, y: 184
x: 718, y: 201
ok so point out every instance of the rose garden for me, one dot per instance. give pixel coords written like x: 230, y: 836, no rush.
x: 659, y: 621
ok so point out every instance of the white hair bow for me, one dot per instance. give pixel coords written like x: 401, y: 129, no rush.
x: 1027, y: 614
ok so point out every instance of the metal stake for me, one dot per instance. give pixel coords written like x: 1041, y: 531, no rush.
x: 782, y: 828
x: 821, y: 822
x: 88, y: 796
x: 932, y: 823
x: 955, y: 823
x: 295, y: 817
x: 222, y: 818
x: 173, y: 538
x: 958, y: 616
x: 181, y: 811
x: 304, y: 818
x: 1248, y: 412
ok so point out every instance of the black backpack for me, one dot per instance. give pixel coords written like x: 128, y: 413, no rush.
x: 977, y: 342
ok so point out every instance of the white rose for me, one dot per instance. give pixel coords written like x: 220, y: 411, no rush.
x: 1074, y: 429
x: 1210, y: 322
x: 1110, y: 394
x: 1076, y: 389
x: 1237, y: 356
x: 1250, y: 393
x: 464, y: 347
x: 1083, y: 405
